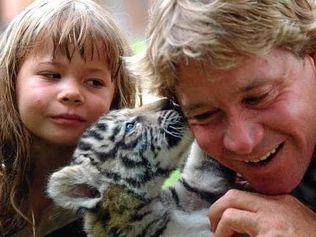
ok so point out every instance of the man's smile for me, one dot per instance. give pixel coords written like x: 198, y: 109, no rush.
x: 265, y: 158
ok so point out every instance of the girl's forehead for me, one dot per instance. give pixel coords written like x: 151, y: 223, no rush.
x: 91, y: 49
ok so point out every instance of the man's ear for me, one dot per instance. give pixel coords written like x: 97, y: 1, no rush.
x: 76, y: 186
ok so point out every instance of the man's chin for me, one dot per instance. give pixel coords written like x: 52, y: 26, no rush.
x: 273, y: 189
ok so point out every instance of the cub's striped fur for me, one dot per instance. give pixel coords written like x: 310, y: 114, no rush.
x: 119, y: 167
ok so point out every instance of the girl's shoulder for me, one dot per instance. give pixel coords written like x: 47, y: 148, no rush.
x: 74, y: 228
x: 56, y: 222
x: 60, y: 222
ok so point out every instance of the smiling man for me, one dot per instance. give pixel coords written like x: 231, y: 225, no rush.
x: 244, y: 73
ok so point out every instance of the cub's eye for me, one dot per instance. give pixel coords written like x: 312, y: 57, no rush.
x: 130, y: 126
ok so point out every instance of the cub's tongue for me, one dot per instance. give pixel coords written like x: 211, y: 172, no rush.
x: 84, y: 191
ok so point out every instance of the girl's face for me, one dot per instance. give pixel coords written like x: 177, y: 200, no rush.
x: 59, y: 98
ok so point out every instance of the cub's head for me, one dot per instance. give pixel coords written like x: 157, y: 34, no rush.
x: 132, y: 148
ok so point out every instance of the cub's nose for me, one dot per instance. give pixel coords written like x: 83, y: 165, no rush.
x: 162, y: 104
x: 167, y: 104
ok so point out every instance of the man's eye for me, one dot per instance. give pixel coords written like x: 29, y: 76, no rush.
x: 254, y: 100
x: 95, y: 83
x: 204, y: 116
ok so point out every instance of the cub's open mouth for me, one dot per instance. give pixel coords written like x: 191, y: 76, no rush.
x: 84, y: 191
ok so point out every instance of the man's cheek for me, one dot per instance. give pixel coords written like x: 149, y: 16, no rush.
x: 203, y: 137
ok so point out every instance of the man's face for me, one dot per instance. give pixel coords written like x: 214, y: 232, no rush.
x: 258, y: 119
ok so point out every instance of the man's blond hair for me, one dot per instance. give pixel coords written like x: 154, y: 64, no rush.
x: 221, y: 32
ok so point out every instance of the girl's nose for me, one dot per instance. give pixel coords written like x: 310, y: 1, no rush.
x: 71, y: 94
x: 242, y: 136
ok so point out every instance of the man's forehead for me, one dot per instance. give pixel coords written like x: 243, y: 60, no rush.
x: 252, y: 72
x: 193, y: 96
x: 193, y: 70
x: 188, y: 106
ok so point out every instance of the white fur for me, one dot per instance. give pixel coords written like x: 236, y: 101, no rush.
x: 62, y: 181
x: 188, y: 219
x: 188, y: 224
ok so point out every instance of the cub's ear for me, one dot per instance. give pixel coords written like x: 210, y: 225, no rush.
x: 76, y: 186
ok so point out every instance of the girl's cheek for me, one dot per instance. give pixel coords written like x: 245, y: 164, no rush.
x: 99, y: 109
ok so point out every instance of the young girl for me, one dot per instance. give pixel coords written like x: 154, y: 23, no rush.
x: 61, y: 68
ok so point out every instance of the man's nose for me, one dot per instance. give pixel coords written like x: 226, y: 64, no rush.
x: 71, y: 93
x: 242, y: 135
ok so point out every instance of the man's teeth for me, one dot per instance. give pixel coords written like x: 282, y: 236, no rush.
x: 266, y: 156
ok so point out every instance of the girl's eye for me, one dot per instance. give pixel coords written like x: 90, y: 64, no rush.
x: 255, y: 100
x: 51, y: 75
x: 95, y: 83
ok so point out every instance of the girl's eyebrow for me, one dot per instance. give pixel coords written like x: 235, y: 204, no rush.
x: 89, y: 69
x: 52, y: 63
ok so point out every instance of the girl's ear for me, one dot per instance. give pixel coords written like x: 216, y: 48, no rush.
x: 313, y: 56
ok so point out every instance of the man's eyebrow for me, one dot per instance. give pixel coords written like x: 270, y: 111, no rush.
x: 254, y: 85
x: 187, y: 108
x: 192, y: 106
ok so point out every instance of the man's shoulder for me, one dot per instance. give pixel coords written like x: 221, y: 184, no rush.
x: 306, y: 191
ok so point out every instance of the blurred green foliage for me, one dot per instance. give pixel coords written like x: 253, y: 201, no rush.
x: 175, y: 175
x: 137, y: 45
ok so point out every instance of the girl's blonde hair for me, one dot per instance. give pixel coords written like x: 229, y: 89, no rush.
x: 220, y: 33
x: 70, y: 25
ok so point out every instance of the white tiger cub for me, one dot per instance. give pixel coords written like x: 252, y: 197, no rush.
x: 118, y: 170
